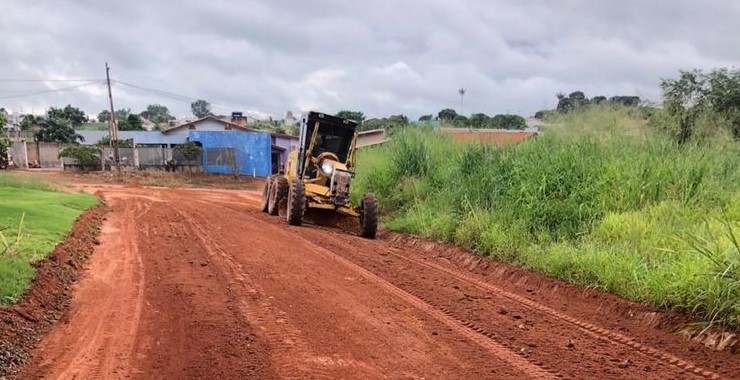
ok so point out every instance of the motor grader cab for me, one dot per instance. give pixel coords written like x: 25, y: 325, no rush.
x: 318, y: 174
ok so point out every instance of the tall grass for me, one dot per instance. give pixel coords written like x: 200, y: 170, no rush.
x: 598, y: 199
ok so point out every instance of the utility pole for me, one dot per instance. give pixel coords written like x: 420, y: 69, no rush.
x: 112, y: 128
x: 461, y: 91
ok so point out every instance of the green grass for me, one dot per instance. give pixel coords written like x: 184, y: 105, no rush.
x: 47, y: 218
x: 598, y: 199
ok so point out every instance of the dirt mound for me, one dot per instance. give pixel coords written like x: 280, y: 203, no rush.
x: 23, y: 324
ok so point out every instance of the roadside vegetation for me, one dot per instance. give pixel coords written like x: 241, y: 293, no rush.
x: 34, y: 217
x: 608, y: 196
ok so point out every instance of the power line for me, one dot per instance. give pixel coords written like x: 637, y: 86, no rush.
x: 178, y: 97
x: 50, y: 91
x: 48, y: 80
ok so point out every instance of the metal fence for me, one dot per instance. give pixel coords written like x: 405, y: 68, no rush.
x: 153, y: 157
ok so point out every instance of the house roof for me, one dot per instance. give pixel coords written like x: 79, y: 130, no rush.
x: 194, y: 122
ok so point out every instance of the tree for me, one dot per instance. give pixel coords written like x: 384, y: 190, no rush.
x: 695, y: 93
x: 54, y: 129
x: 460, y: 121
x: 508, y: 121
x: 4, y: 142
x: 157, y: 113
x: 201, y: 108
x: 4, y: 146
x: 425, y: 117
x: 103, y: 116
x: 627, y: 101
x: 357, y: 116
x: 479, y: 120
x: 447, y: 115
x: 130, y: 123
x: 73, y: 115
x: 574, y: 100
x: 59, y: 125
x: 27, y: 122
x: 542, y: 114
x: 598, y: 99
x: 724, y: 97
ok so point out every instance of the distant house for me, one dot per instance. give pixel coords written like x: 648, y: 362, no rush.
x: 290, y: 119
x: 282, y: 145
x: 224, y: 149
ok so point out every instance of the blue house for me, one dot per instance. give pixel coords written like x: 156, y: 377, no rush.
x: 231, y: 152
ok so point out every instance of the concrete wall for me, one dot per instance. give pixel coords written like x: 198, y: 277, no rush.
x: 18, y: 154
x: 231, y: 152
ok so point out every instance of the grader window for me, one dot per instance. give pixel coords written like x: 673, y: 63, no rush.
x: 333, y: 139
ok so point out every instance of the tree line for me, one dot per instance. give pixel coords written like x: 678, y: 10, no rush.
x: 60, y: 124
x: 447, y: 116
x: 696, y: 105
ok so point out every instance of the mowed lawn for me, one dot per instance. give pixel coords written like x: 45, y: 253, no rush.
x: 43, y: 215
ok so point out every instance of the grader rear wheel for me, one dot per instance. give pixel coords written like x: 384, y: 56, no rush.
x: 278, y: 191
x: 368, y: 216
x: 266, y: 193
x: 296, y: 203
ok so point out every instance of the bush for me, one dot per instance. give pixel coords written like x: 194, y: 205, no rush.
x: 84, y: 155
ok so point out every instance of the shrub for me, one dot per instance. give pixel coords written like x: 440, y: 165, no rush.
x: 84, y: 155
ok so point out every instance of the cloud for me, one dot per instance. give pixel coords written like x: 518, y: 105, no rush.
x: 382, y: 57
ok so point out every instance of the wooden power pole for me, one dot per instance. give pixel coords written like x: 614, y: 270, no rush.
x: 112, y: 127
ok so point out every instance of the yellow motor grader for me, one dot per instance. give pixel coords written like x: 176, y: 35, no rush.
x: 317, y: 175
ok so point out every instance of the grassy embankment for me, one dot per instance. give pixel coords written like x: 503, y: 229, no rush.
x: 598, y: 199
x: 43, y: 216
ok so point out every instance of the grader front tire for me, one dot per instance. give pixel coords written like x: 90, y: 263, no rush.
x: 296, y: 203
x: 368, y: 216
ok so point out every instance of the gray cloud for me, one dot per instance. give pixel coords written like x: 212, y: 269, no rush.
x: 380, y: 56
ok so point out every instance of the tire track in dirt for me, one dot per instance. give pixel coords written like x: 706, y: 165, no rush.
x: 659, y: 356
x: 95, y: 354
x: 597, y: 331
x: 297, y: 346
x: 346, y: 247
x: 284, y: 337
x: 471, y: 332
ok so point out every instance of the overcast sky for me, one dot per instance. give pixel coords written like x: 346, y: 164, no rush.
x: 381, y: 57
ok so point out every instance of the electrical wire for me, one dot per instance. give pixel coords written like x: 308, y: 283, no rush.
x: 50, y: 91
x: 48, y: 80
x: 182, y: 98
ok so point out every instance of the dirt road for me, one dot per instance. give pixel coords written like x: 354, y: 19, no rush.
x: 199, y: 284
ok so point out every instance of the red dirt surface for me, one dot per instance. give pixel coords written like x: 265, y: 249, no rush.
x: 200, y: 284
